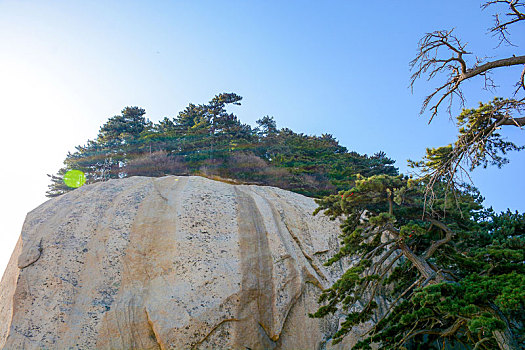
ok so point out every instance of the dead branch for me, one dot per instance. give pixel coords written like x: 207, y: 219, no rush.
x: 443, y: 53
x: 515, y: 15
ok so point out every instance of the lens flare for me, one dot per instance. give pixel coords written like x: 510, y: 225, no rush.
x: 74, y: 178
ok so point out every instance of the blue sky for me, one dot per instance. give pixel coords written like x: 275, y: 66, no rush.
x: 338, y: 67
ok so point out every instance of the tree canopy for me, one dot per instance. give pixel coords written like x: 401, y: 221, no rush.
x: 206, y: 139
x: 453, y: 277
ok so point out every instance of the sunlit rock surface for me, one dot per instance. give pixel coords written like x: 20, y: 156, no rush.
x: 170, y: 263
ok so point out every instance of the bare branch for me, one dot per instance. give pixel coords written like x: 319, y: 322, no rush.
x: 420, y: 264
x: 435, y: 245
x: 504, y: 62
x: 454, y: 328
x: 521, y: 83
x: 381, y: 246
x: 443, y: 53
x: 394, y: 303
x: 380, y: 280
x: 458, y: 75
x: 500, y: 27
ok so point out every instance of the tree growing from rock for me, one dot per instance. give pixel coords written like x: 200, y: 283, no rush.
x: 450, y: 273
x: 450, y: 278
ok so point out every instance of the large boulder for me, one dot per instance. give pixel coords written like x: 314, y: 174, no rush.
x: 170, y: 263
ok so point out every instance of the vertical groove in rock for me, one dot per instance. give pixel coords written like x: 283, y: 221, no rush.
x: 146, y: 260
x: 290, y: 288
x: 319, y: 278
x: 101, y: 270
x: 257, y: 291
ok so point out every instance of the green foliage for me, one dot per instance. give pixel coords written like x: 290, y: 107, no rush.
x: 58, y: 186
x: 124, y: 127
x: 453, y: 277
x: 479, y: 142
x: 479, y: 131
x: 206, y: 139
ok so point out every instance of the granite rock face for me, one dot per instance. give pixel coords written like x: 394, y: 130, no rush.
x: 170, y: 263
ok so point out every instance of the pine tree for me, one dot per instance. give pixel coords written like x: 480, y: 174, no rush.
x: 208, y: 139
x: 452, y: 276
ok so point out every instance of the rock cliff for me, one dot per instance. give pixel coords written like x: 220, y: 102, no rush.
x: 169, y: 263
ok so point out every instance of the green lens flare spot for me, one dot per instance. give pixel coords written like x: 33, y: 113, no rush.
x: 74, y: 178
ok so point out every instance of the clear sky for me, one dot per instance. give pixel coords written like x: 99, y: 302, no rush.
x: 338, y: 67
